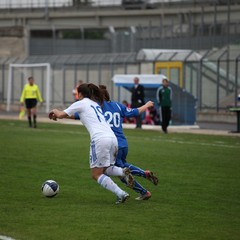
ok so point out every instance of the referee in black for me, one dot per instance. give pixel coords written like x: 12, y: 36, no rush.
x: 137, y: 99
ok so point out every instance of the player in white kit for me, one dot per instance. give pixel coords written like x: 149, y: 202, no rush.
x: 104, y: 145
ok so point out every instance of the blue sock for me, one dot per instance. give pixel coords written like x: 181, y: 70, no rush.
x: 136, y: 171
x: 137, y: 187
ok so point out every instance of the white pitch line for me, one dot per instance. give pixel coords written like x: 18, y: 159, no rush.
x: 159, y: 139
x: 179, y: 141
x: 6, y: 238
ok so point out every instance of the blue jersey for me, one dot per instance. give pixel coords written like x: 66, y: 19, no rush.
x: 114, y: 113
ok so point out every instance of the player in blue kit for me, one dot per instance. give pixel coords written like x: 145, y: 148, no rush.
x: 114, y: 113
x: 103, y: 145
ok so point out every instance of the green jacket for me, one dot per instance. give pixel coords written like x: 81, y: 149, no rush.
x: 164, y: 96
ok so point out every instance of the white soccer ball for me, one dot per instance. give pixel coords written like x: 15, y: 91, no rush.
x: 50, y: 188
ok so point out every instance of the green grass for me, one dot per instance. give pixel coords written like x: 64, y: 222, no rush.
x: 198, y: 196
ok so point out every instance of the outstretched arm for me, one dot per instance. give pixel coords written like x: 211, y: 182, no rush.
x: 55, y: 114
x: 145, y: 106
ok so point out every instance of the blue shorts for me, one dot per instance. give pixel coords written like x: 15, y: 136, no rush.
x: 121, y: 157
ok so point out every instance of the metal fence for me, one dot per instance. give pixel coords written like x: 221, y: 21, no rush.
x: 124, y: 44
x: 213, y: 79
x: 179, y: 31
x: 34, y: 4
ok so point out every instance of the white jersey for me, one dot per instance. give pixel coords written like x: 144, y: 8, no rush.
x: 91, y: 115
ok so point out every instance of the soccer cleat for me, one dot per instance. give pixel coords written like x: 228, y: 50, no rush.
x: 122, y: 198
x: 145, y: 196
x: 128, y: 177
x: 150, y: 176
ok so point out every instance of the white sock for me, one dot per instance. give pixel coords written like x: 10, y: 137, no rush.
x: 107, y: 183
x: 114, y: 171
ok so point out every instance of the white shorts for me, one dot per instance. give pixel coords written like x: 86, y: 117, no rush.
x: 103, y: 152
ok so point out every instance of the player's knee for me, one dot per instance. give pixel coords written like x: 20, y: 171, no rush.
x: 94, y: 176
x: 96, y: 173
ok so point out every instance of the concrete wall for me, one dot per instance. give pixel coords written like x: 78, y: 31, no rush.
x: 12, y: 46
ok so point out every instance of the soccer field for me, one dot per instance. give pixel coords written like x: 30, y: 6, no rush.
x: 198, y: 196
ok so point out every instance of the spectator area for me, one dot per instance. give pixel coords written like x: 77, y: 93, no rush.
x: 184, y: 103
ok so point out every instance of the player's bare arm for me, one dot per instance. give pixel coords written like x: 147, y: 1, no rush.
x: 145, y: 106
x: 55, y: 114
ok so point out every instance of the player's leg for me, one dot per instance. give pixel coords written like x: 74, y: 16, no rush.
x: 138, y: 188
x: 107, y: 183
x: 117, y: 168
x: 101, y: 153
x: 136, y: 171
x: 121, y: 162
x: 151, y: 177
x: 127, y: 175
x: 122, y: 173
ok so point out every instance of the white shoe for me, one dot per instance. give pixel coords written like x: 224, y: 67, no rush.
x: 145, y: 196
x: 122, y: 198
x: 128, y: 177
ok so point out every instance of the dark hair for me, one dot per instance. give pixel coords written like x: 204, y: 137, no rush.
x: 91, y: 91
x: 105, y: 92
x: 30, y: 78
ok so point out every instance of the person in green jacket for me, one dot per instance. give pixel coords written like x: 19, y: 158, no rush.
x: 30, y: 96
x: 164, y: 99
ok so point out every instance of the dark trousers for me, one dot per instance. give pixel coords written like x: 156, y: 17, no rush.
x: 139, y: 117
x: 166, y: 117
x: 139, y: 121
